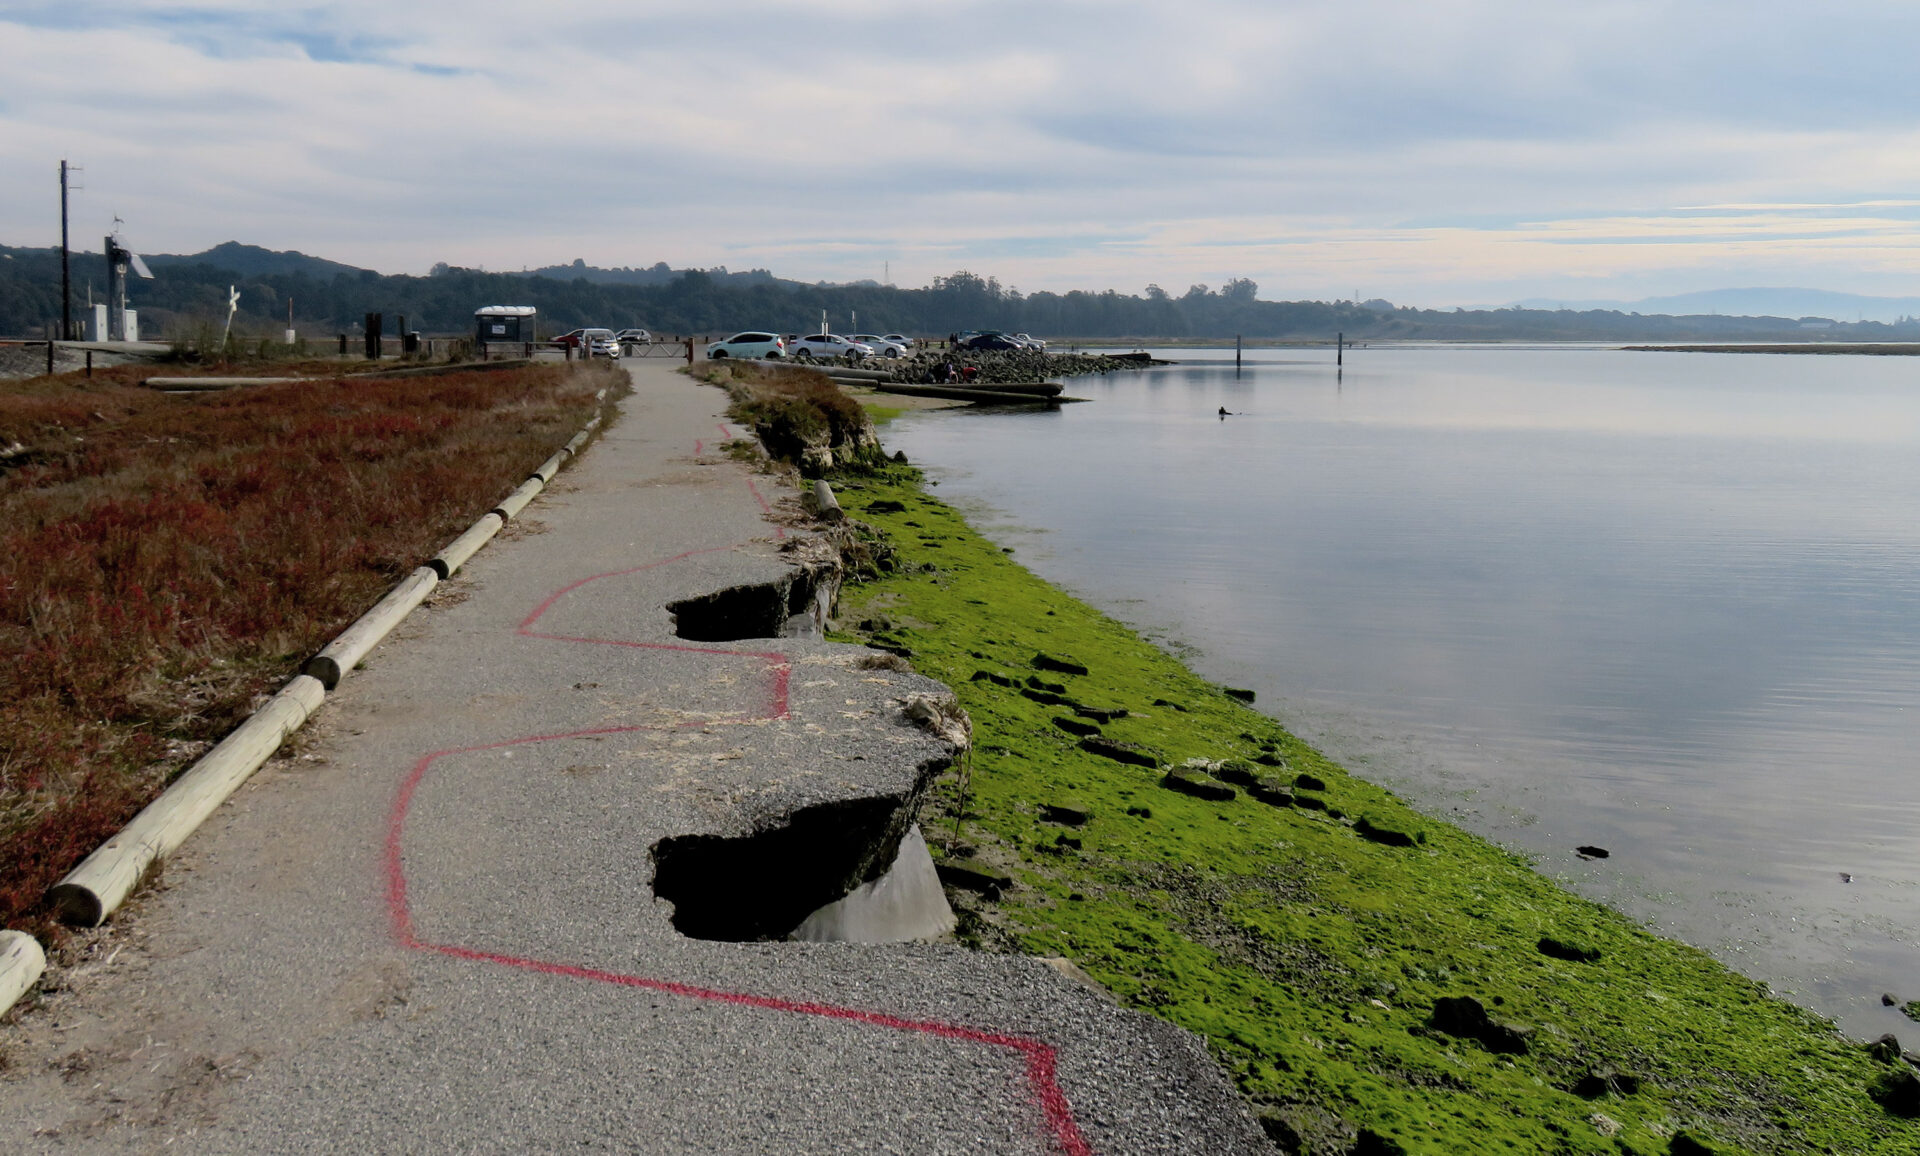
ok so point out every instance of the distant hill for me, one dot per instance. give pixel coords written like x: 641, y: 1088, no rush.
x: 657, y: 274
x: 254, y: 261
x: 189, y: 294
x: 1792, y: 303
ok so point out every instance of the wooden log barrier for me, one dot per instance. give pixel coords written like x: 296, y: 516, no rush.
x: 211, y: 384
x: 91, y: 891
x: 551, y: 466
x: 21, y: 962
x: 103, y: 880
x: 346, y: 651
x: 517, y: 501
x: 466, y: 545
x: 825, y: 503
x: 578, y: 441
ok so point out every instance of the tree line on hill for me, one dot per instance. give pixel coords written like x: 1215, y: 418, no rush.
x: 190, y: 293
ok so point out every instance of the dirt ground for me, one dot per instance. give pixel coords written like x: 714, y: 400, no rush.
x: 17, y: 361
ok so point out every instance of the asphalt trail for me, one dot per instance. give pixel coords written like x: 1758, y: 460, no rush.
x: 1063, y: 1132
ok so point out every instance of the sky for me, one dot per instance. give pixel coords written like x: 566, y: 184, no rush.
x: 1469, y: 152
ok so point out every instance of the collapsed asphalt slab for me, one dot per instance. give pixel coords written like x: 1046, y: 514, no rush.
x: 436, y: 926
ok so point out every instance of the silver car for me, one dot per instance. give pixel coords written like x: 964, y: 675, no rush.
x: 881, y: 346
x: 599, y: 343
x: 753, y: 343
x: 828, y: 347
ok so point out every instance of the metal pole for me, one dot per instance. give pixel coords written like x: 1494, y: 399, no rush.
x: 66, y: 273
x: 1339, y: 349
x: 1236, y: 353
x: 116, y: 292
x: 49, y: 351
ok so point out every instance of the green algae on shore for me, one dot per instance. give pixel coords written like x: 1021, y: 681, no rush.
x: 1375, y: 980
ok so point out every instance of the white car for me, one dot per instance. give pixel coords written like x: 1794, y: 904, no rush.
x: 633, y: 337
x: 881, y: 346
x: 752, y: 343
x: 829, y: 346
x: 599, y: 343
x: 901, y: 340
x: 1033, y: 343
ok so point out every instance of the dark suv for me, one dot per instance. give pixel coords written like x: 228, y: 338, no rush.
x: 990, y: 341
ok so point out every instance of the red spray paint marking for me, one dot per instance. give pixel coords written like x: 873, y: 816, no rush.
x: 1041, y: 1062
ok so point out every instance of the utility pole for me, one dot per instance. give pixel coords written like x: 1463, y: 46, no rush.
x: 66, y: 274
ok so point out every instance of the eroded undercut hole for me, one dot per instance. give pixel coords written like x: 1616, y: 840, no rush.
x: 763, y: 885
x: 794, y: 604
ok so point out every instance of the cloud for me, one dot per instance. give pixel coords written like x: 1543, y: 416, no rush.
x: 1416, y: 151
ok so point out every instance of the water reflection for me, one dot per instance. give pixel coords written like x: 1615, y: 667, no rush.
x: 1667, y: 603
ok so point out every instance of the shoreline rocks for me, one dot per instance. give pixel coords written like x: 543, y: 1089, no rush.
x: 1006, y: 366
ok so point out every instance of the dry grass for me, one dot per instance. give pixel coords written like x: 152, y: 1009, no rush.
x: 164, y: 560
x: 796, y: 412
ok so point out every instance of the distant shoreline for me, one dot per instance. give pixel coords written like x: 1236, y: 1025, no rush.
x: 1874, y: 349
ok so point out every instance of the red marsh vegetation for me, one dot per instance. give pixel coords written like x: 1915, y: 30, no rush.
x: 165, y: 560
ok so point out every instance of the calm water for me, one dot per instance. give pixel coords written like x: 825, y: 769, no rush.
x: 1668, y: 604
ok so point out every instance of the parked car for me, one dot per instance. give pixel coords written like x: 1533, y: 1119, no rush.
x: 633, y: 337
x: 593, y: 342
x: 901, y: 340
x: 1033, y: 343
x: 881, y: 346
x: 751, y: 343
x: 828, y: 346
x: 989, y: 340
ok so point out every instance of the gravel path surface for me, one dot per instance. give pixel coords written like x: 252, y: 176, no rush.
x: 18, y: 361
x: 434, y: 928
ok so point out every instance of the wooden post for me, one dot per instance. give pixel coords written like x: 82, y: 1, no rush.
x: 66, y: 270
x: 343, y: 345
x: 689, y: 351
x: 1339, y: 349
x: 89, y: 363
x: 1236, y: 353
x: 49, y: 351
x: 374, y: 322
